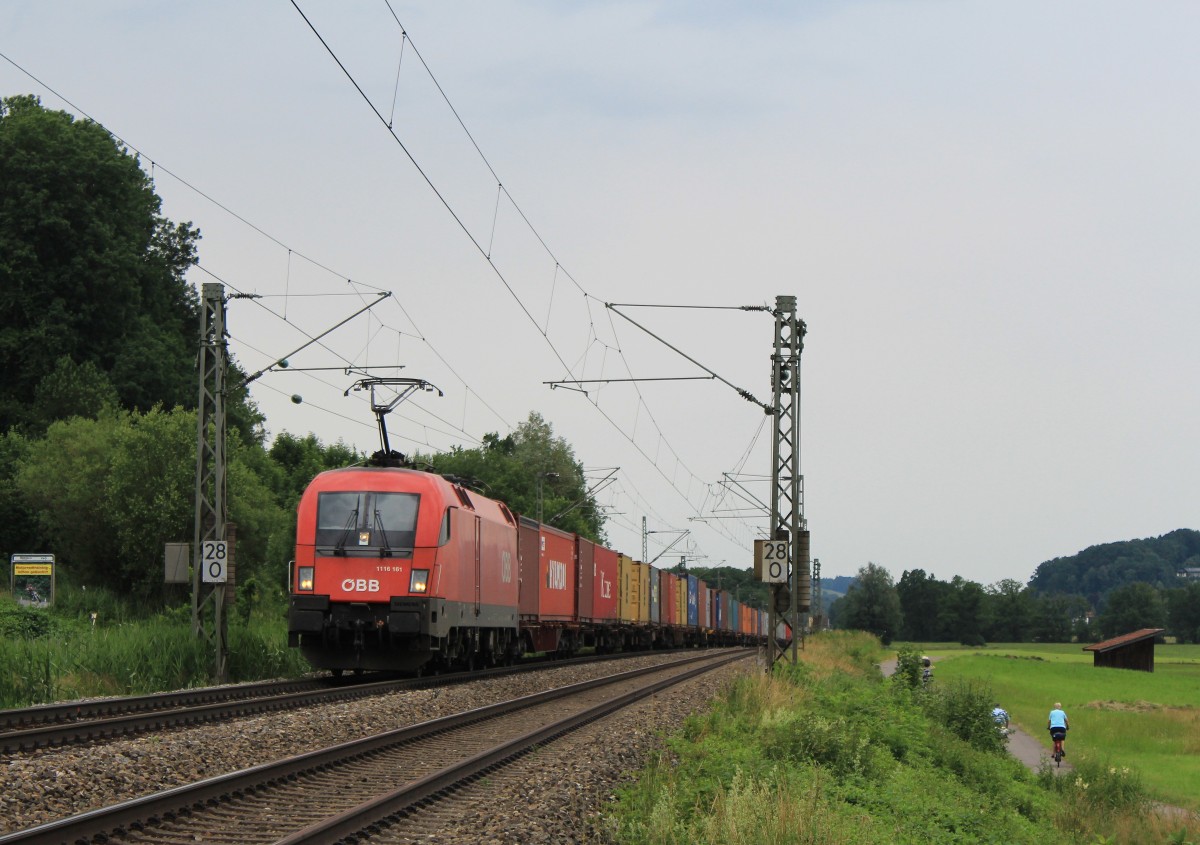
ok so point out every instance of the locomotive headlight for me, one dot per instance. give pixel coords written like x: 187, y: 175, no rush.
x: 305, y: 577
x: 419, y: 581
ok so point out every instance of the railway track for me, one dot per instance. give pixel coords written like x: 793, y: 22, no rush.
x: 322, y: 795
x: 70, y: 723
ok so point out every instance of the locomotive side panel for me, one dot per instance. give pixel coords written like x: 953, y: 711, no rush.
x: 497, y: 588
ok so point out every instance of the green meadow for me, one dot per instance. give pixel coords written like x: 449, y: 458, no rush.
x: 1148, y: 721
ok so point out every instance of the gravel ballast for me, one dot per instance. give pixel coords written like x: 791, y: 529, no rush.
x: 558, y: 796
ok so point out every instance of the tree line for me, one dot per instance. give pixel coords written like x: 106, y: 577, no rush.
x: 98, y: 384
x: 921, y: 608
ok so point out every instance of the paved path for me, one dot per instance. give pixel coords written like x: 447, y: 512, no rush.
x: 1031, y: 752
x: 1021, y: 745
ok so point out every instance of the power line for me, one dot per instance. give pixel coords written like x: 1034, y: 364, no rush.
x: 450, y: 209
x: 265, y: 234
x: 593, y: 338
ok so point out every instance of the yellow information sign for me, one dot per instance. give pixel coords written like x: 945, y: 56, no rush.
x: 33, y: 569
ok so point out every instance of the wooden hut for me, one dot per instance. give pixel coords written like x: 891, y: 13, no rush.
x: 1129, y: 651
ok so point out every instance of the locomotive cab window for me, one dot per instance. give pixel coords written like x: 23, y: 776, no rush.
x: 367, y: 523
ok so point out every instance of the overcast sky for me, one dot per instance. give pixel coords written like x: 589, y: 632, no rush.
x: 987, y: 211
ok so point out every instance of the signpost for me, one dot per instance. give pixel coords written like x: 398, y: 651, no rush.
x: 31, y: 580
x: 771, y: 561
x: 214, y: 558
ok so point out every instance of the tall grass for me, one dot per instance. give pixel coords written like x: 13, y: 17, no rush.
x: 828, y: 752
x: 49, y: 657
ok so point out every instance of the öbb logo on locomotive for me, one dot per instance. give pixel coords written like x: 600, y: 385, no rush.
x: 360, y: 585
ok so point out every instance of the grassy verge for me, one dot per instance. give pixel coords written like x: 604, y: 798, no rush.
x: 45, y: 657
x: 829, y: 752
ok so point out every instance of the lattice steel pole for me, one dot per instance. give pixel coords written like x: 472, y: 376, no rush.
x: 787, y: 486
x: 211, y: 513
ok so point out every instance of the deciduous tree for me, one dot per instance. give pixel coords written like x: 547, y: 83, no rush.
x: 91, y: 270
x: 871, y: 604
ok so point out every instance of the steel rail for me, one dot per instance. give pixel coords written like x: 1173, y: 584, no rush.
x: 349, y: 824
x: 101, y: 824
x: 77, y: 722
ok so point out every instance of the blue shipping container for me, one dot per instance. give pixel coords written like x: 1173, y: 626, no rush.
x: 693, y: 601
x: 655, y: 598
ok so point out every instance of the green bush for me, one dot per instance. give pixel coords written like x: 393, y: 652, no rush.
x: 20, y: 622
x: 965, y: 708
x: 908, y: 668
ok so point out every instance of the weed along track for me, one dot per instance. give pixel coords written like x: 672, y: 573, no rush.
x: 271, y: 801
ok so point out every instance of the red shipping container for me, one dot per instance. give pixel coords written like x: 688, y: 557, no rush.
x: 528, y: 562
x: 585, y: 562
x: 605, y: 601
x: 557, y: 575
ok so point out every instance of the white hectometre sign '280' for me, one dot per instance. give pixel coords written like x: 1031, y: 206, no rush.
x: 771, y: 561
x: 214, y: 561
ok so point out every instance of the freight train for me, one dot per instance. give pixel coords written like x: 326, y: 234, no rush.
x: 400, y: 569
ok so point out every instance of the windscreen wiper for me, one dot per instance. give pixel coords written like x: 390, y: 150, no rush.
x: 385, y: 550
x: 340, y: 548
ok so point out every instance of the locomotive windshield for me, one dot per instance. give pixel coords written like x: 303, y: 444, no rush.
x: 367, y: 523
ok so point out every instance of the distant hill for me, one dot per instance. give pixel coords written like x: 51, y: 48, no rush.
x: 1097, y: 570
x: 833, y: 589
x: 839, y: 585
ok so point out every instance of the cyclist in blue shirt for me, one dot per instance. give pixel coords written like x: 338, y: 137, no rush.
x: 1000, y: 717
x: 1058, y: 725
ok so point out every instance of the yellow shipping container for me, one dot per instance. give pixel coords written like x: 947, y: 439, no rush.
x: 630, y: 585
x: 643, y: 592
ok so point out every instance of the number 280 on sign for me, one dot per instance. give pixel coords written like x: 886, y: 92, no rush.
x: 771, y: 561
x: 214, y: 561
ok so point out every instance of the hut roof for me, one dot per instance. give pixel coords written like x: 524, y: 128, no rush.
x: 1124, y: 639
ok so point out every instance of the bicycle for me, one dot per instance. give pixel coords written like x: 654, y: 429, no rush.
x: 1058, y: 735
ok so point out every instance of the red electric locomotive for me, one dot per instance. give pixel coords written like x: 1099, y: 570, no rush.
x: 395, y: 568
